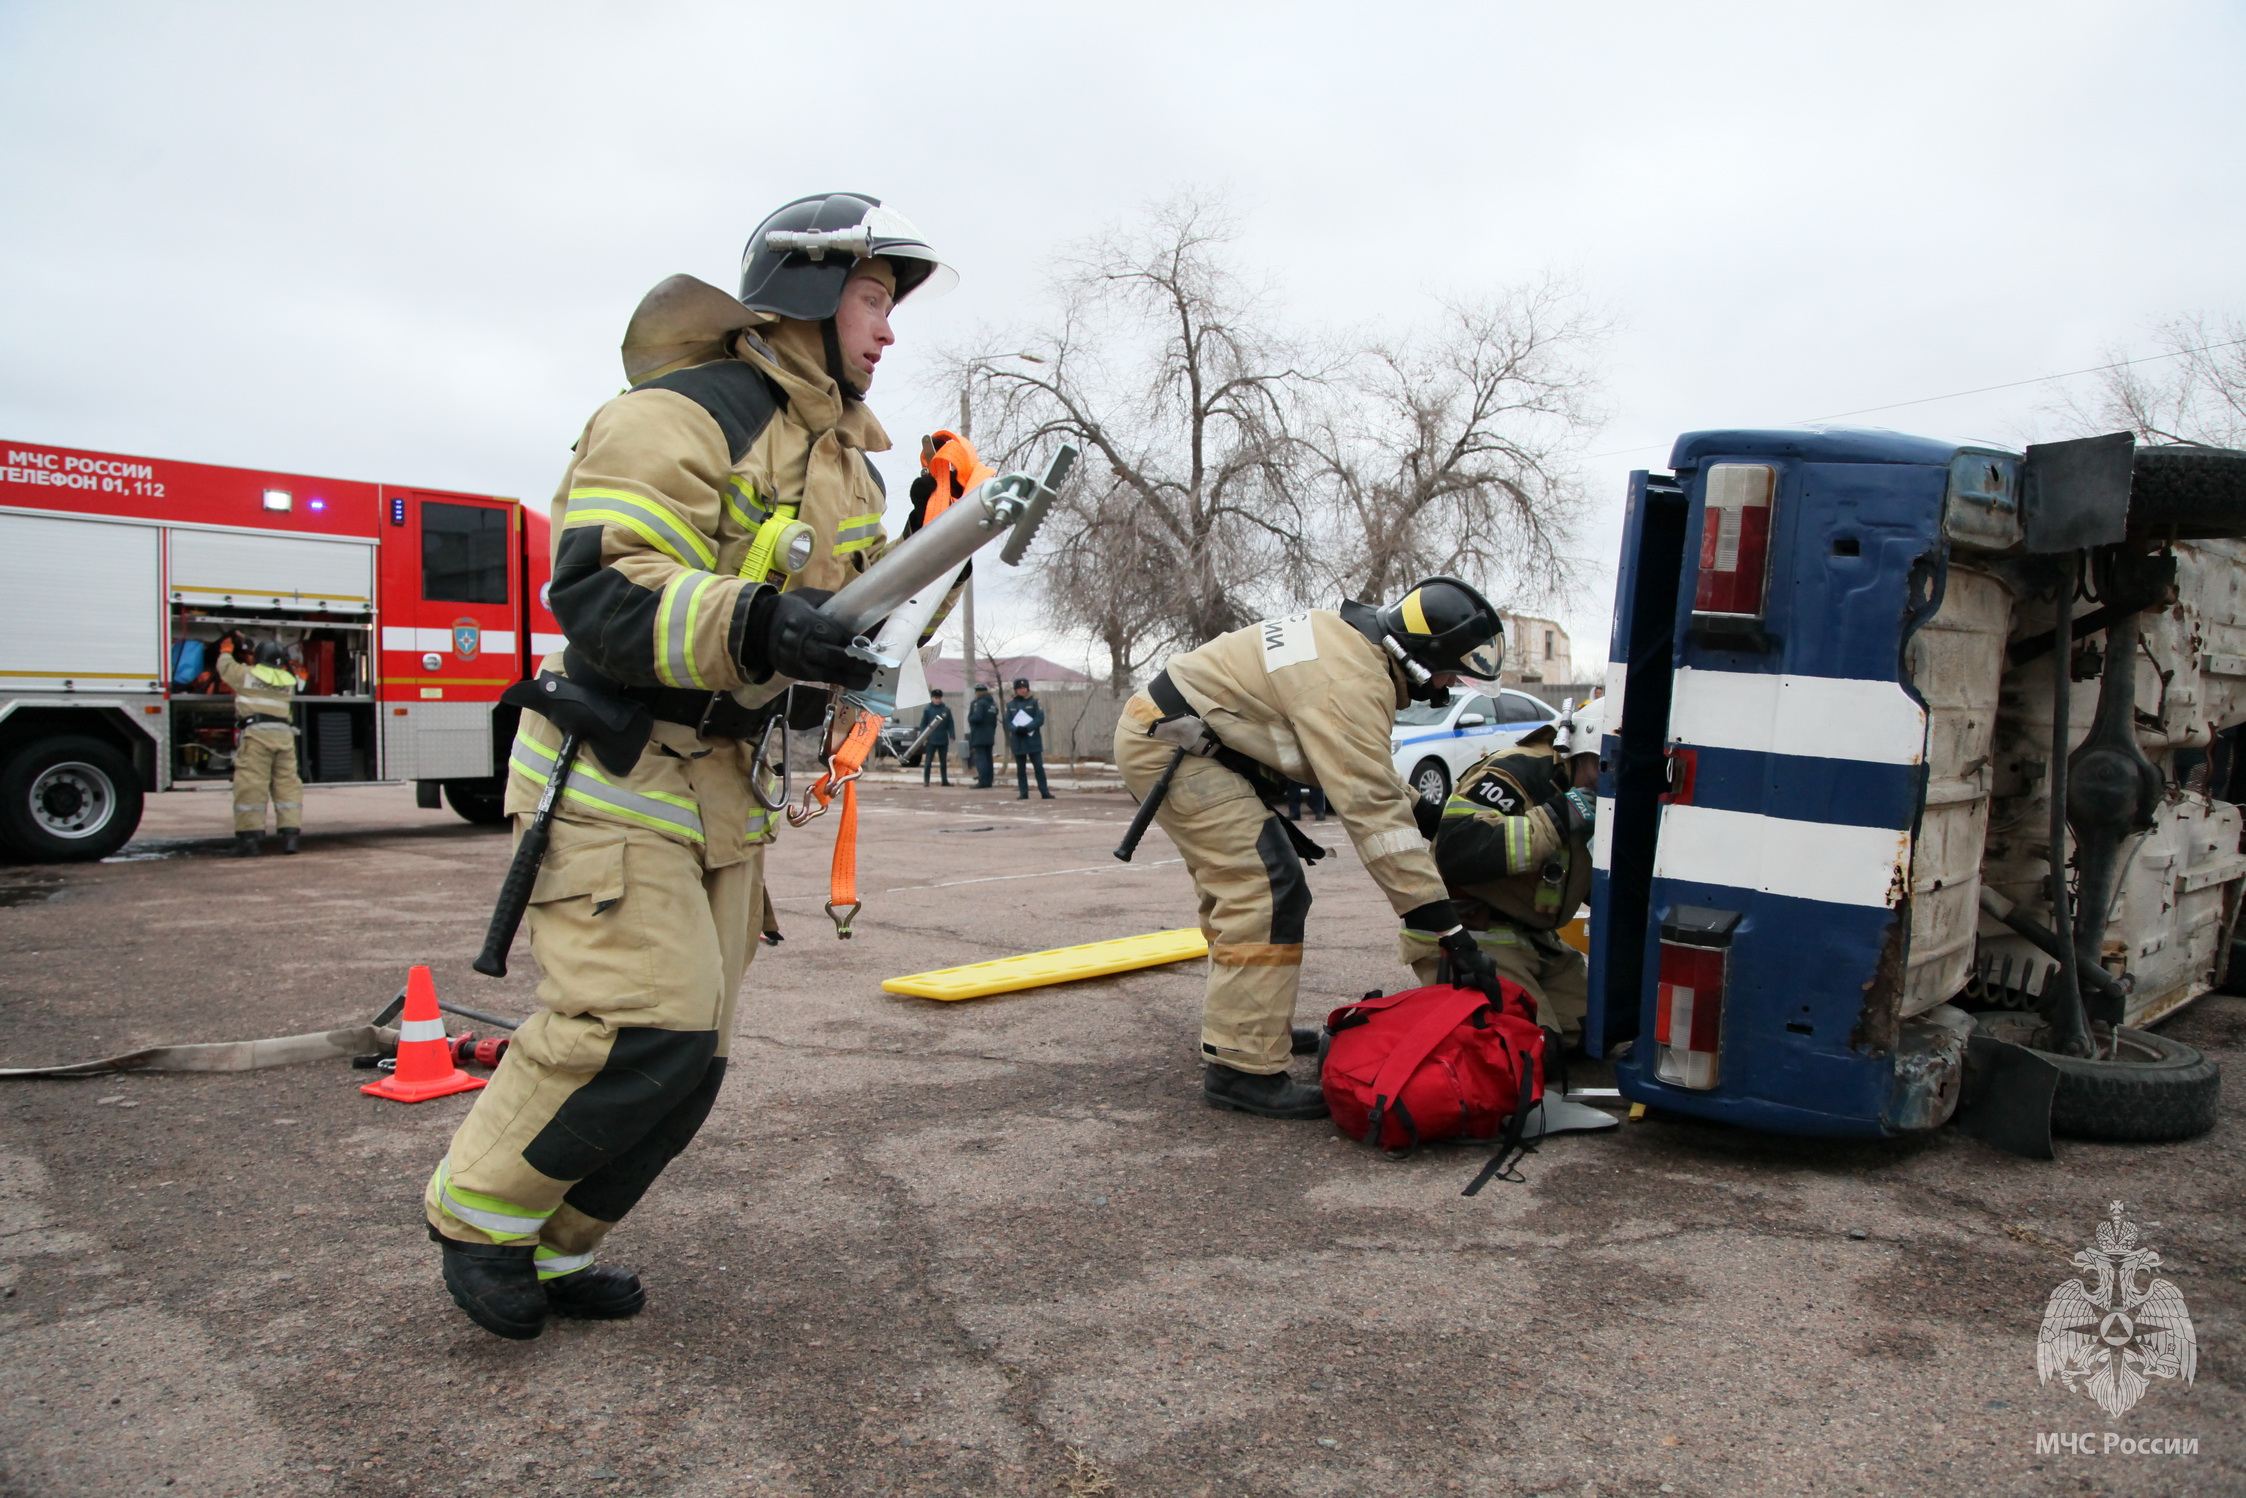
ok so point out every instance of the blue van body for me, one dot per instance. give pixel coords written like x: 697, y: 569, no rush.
x: 1762, y: 780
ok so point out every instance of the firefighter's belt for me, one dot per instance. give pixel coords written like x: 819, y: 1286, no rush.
x: 252, y: 720
x: 1269, y: 785
x: 613, y: 726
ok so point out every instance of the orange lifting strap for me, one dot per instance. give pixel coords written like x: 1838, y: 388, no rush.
x: 952, y: 462
x: 841, y: 776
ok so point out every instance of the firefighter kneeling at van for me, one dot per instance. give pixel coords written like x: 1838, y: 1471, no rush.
x: 1312, y: 697
x: 265, y: 754
x: 1514, y: 847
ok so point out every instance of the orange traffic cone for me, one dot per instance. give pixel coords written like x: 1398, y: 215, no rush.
x: 425, y: 1068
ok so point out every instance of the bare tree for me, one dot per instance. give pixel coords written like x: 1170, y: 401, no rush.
x: 1186, y: 519
x: 1454, y: 451
x: 2195, y: 395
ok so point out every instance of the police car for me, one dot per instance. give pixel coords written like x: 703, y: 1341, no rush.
x: 1433, y: 746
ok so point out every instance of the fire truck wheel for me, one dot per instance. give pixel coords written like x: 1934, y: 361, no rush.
x: 479, y: 801
x: 1431, y: 780
x: 2156, y: 1089
x: 67, y: 799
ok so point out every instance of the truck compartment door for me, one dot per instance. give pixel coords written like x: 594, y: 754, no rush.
x: 218, y: 570
x: 58, y: 638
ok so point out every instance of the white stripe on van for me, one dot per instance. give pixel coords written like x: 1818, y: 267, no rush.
x: 1808, y: 860
x: 1820, y: 717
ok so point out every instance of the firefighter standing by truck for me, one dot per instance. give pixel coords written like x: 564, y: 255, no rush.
x: 265, y: 747
x: 706, y: 513
x: 1514, y: 847
x: 1312, y: 697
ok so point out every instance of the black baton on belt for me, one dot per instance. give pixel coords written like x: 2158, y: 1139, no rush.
x: 514, y: 891
x: 1147, y: 808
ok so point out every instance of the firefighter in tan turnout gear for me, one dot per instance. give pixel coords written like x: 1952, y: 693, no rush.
x: 1311, y: 697
x: 265, y: 750
x: 707, y: 512
x: 1514, y: 848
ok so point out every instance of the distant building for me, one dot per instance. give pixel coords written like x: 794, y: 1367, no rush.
x: 950, y: 677
x: 1536, y: 650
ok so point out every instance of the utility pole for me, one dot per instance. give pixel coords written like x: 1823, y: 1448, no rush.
x: 967, y: 594
x: 966, y: 430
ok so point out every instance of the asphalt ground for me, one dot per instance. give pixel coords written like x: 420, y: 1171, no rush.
x: 997, y: 1247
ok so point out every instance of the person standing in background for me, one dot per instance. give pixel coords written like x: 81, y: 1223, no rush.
x: 935, y: 736
x: 1025, y: 723
x: 265, y: 754
x: 982, y: 736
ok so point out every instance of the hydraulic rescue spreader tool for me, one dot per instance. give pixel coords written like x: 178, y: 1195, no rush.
x: 900, y: 587
x: 895, y: 599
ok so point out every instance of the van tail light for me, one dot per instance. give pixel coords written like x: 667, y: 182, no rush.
x: 1735, y: 540
x: 1689, y: 998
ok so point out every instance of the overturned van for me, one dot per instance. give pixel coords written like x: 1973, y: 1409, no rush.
x: 1823, y: 902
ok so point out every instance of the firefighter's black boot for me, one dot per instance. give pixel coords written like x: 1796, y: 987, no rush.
x: 596, y: 1293
x: 1275, y: 1096
x: 289, y: 836
x: 497, y: 1285
x: 246, y: 845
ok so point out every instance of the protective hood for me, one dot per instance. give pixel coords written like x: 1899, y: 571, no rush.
x: 682, y: 321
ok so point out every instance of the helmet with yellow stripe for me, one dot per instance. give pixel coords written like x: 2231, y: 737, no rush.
x: 1445, y: 626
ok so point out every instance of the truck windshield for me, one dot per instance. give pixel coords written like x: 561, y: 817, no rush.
x: 463, y: 553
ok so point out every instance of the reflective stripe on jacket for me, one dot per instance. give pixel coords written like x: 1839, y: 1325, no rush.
x: 1500, y: 848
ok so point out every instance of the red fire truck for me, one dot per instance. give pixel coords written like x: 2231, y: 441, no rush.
x: 406, y: 612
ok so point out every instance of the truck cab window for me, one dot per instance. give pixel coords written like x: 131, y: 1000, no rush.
x: 463, y: 553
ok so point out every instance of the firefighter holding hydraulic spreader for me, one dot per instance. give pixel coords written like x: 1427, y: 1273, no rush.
x: 706, y: 512
x: 1514, y: 846
x: 1313, y: 698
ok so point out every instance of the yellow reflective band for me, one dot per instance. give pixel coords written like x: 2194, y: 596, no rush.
x: 1517, y: 843
x: 857, y: 533
x: 675, y: 618
x: 678, y: 815
x: 740, y: 503
x: 653, y: 523
x: 274, y: 676
x: 1415, y: 617
x: 1501, y: 936
x: 495, y: 1215
x: 553, y: 1263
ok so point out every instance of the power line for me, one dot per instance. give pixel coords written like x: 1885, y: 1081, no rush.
x: 1958, y: 394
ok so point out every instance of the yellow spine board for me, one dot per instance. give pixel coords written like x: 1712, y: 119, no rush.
x: 1097, y: 959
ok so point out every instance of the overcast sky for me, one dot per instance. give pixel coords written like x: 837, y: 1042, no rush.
x: 399, y: 242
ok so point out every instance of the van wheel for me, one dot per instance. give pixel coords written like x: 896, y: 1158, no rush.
x: 480, y: 801
x: 68, y: 799
x: 2153, y: 1089
x: 1431, y: 780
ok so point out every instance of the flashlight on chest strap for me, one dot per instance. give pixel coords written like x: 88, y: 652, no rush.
x: 783, y: 544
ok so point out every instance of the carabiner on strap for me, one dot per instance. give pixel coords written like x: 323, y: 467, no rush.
x: 760, y: 762
x: 842, y: 916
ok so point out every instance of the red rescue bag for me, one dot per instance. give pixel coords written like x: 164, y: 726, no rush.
x: 1434, y: 1063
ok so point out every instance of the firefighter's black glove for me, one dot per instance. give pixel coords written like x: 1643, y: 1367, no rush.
x: 923, y: 488
x: 1471, y: 967
x: 786, y: 633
